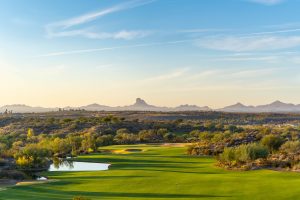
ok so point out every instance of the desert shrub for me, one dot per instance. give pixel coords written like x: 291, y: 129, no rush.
x: 169, y: 137
x: 205, y: 148
x: 3, y: 162
x: 228, y: 155
x: 257, y: 151
x: 12, y: 174
x: 194, y: 133
x: 272, y: 142
x: 288, y: 156
x: 218, y: 137
x: 150, y: 136
x: 104, y: 140
x: 205, y: 136
x: 125, y: 138
x: 290, y: 147
x: 243, y: 153
x: 234, y: 129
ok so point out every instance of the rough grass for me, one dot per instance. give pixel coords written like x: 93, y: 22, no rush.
x: 160, y: 172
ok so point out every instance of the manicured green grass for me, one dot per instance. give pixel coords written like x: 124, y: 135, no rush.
x: 160, y: 173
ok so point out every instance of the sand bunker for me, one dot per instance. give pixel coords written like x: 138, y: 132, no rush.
x: 121, y: 151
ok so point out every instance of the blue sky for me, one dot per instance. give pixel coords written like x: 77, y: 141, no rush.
x: 169, y: 52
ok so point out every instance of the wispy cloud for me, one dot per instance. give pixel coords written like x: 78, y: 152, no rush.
x: 270, y: 58
x: 171, y: 75
x: 267, y: 2
x: 242, y: 44
x: 233, y: 73
x: 66, y: 28
x: 201, y: 30
x: 255, y: 72
x: 206, y: 74
x: 82, y: 51
x: 274, y: 32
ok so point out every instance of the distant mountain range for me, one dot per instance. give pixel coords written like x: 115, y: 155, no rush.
x: 141, y: 105
x: 276, y: 107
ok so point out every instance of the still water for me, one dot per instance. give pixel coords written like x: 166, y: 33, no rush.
x: 77, y: 166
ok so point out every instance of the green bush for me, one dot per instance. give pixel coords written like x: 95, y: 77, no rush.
x: 243, y: 153
x: 272, y: 142
x: 257, y: 151
x: 228, y: 155
x: 205, y: 148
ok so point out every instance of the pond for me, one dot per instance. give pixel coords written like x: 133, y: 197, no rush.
x: 67, y: 165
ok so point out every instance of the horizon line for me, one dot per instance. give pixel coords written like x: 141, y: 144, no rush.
x: 159, y: 106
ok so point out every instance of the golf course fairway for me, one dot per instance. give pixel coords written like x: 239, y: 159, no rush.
x: 158, y: 172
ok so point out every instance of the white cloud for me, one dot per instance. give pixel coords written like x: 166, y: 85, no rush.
x: 66, y: 28
x: 124, y: 34
x: 258, y: 43
x: 267, y: 2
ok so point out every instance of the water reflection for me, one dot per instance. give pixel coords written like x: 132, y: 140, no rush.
x: 69, y: 165
x: 58, y: 163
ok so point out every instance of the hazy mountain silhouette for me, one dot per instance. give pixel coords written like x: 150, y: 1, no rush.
x: 21, y: 108
x: 96, y: 107
x: 238, y: 107
x: 188, y: 107
x: 142, y: 105
x: 276, y: 106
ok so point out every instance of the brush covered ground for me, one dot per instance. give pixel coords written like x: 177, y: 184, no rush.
x: 158, y: 172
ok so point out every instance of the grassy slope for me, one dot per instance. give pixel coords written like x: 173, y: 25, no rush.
x: 161, y: 173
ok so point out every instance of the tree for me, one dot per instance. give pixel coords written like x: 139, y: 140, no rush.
x: 30, y: 133
x: 88, y: 144
x: 104, y: 140
x: 125, y: 138
x: 3, y: 148
x: 75, y: 142
x: 150, y: 136
x: 169, y: 137
x: 60, y: 147
x: 33, y: 156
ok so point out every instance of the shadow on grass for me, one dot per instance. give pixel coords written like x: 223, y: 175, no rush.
x: 186, y: 172
x: 81, y: 178
x: 45, y: 191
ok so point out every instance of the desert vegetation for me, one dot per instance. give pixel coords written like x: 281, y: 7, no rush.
x: 30, y: 143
